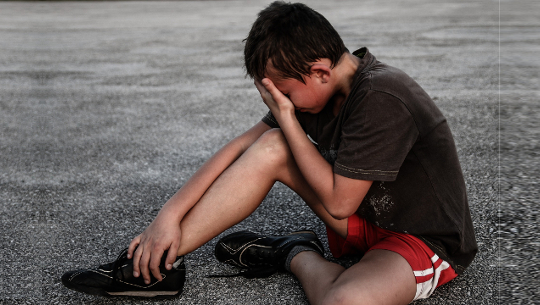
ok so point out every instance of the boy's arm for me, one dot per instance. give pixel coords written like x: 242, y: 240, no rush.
x: 340, y: 196
x: 164, y: 232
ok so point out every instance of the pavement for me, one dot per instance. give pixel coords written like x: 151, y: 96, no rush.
x: 107, y: 108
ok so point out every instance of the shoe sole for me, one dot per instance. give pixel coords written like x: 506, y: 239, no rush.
x: 142, y: 294
x: 145, y: 294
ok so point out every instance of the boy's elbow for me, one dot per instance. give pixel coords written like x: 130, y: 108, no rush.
x: 340, y: 216
x: 344, y: 205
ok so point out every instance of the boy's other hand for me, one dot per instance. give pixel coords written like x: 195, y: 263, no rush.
x: 276, y: 101
x: 148, y: 248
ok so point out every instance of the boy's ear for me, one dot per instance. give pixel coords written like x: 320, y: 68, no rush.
x: 321, y: 71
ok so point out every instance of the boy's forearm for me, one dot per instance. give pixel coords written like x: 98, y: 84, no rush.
x: 340, y: 196
x: 190, y: 193
x: 317, y: 172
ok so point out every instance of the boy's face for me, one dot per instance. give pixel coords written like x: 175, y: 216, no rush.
x: 310, y: 97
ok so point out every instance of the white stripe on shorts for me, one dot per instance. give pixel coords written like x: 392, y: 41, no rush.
x: 425, y: 289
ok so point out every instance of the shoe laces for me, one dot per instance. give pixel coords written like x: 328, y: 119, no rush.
x: 117, y: 264
x: 262, y: 271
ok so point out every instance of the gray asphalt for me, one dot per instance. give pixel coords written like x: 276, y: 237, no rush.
x: 106, y: 108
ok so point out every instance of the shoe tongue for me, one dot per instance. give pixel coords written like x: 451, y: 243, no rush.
x: 179, y: 261
x: 119, y: 261
x: 107, y: 267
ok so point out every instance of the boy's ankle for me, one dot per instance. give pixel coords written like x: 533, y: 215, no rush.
x: 294, y: 252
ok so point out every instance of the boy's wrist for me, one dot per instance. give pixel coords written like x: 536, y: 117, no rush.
x: 286, y: 118
x: 171, y: 211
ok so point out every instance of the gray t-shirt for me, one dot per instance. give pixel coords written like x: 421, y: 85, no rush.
x: 390, y: 131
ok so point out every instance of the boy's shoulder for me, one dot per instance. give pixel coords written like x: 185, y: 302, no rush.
x: 379, y: 86
x: 376, y: 75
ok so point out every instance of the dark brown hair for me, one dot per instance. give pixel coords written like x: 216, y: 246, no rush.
x: 292, y: 36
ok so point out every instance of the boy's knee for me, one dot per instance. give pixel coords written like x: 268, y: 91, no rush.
x: 337, y: 296
x: 342, y: 295
x: 273, y: 146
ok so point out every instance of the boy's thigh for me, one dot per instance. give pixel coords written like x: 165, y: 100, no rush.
x: 381, y: 277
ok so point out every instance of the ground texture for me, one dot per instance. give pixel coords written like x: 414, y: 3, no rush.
x: 107, y: 108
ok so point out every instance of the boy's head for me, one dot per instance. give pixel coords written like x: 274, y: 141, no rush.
x: 292, y: 36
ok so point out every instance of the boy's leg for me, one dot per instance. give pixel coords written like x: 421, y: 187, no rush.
x: 240, y: 189
x: 381, y: 277
x: 233, y: 196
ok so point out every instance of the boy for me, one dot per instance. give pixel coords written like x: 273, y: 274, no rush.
x: 361, y: 143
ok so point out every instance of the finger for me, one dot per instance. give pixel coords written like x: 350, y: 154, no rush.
x: 271, y: 88
x: 258, y: 81
x: 270, y: 91
x: 145, y: 260
x: 171, y: 256
x: 136, y: 260
x: 260, y: 87
x: 266, y: 82
x: 155, y: 261
x: 266, y: 96
x: 133, y: 245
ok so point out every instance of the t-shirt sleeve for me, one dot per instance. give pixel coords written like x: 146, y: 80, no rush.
x: 376, y: 137
x: 270, y: 120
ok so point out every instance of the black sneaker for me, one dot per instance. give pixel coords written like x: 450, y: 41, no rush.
x: 116, y: 279
x: 262, y: 255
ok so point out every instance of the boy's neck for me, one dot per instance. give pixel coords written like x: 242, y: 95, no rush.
x: 344, y: 73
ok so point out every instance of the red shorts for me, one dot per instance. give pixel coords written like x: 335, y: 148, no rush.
x: 430, y: 270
